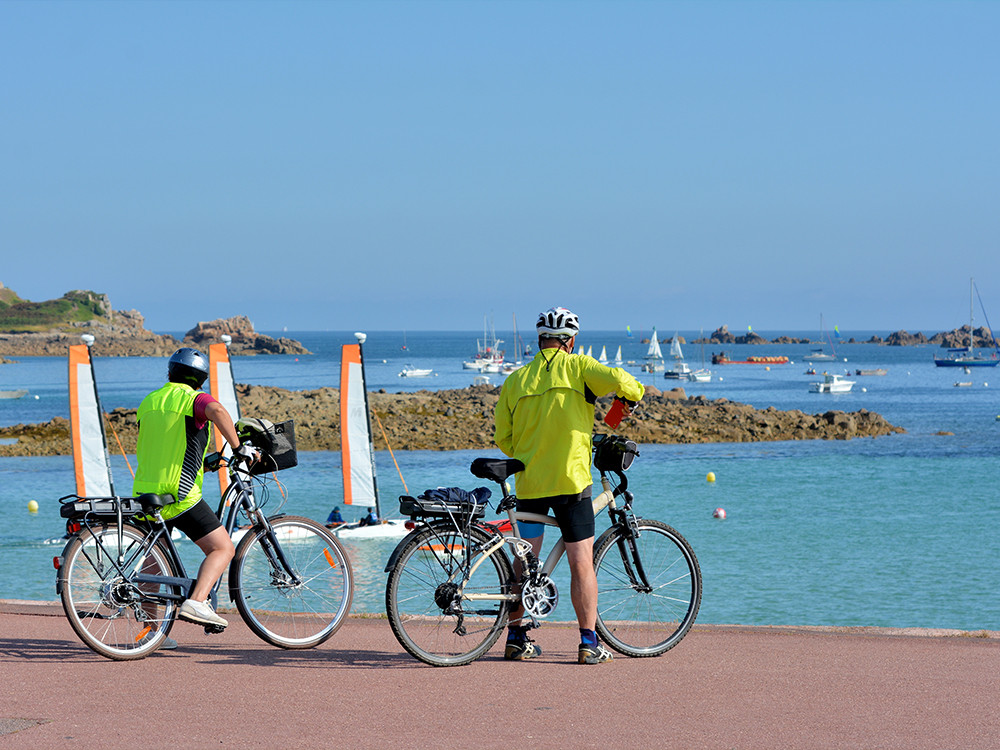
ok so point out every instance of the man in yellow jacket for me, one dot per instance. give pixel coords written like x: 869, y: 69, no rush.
x: 545, y: 419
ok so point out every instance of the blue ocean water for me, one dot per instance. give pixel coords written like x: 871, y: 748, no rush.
x: 896, y: 531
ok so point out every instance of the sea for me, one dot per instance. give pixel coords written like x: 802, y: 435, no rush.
x: 897, y: 531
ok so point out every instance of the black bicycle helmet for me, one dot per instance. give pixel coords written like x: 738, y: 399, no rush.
x: 188, y: 366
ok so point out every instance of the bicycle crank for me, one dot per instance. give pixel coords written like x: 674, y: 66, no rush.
x: 539, y: 596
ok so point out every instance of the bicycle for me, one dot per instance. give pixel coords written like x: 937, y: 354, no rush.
x: 451, y: 583
x: 121, y: 580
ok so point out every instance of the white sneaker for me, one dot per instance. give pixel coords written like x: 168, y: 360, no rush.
x: 169, y: 644
x: 200, y: 612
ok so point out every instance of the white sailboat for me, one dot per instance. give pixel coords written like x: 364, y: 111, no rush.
x: 680, y: 369
x: 618, y: 361
x: 603, y: 359
x: 818, y: 355
x: 701, y: 375
x: 356, y: 449
x: 654, y: 357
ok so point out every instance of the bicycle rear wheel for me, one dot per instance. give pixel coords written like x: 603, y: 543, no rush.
x: 428, y: 617
x: 292, y: 611
x: 112, y: 613
x: 638, y: 619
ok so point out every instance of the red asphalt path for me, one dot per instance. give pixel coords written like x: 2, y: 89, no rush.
x: 722, y: 687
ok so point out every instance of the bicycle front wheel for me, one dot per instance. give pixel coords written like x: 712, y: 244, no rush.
x: 648, y: 589
x: 441, y: 610
x: 293, y: 589
x: 110, y: 611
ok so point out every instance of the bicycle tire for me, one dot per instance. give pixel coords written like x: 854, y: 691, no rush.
x: 639, y: 622
x: 279, y: 611
x: 416, y: 592
x: 103, y: 606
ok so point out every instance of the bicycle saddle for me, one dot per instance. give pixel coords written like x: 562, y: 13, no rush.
x: 496, y: 469
x: 151, y: 501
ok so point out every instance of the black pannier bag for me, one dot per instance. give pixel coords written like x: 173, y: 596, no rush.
x: 276, y: 442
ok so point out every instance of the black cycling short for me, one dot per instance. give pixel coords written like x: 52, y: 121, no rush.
x: 196, y: 521
x: 575, y: 514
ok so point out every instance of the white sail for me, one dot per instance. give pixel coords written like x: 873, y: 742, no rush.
x: 654, y: 347
x: 675, y: 348
x: 357, y: 458
x: 223, y: 388
x: 603, y: 359
x: 90, y: 449
x: 618, y: 356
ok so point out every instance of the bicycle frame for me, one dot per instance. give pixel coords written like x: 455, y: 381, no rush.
x: 521, y: 549
x: 238, y: 496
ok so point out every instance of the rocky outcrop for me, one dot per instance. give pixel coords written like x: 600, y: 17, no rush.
x: 903, y: 338
x: 463, y: 419
x: 124, y: 336
x: 982, y: 338
x: 245, y: 340
x: 47, y: 329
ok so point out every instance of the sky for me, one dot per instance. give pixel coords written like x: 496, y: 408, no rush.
x: 420, y: 165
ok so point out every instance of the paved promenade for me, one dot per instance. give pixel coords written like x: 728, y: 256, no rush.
x: 722, y: 687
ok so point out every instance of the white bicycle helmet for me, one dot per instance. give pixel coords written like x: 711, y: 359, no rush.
x: 558, y: 321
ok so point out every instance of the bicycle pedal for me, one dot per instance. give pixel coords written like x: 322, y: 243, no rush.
x: 213, y: 629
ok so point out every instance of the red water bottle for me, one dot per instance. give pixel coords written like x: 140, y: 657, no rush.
x: 614, y: 416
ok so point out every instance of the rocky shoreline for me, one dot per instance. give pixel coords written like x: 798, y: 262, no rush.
x: 463, y: 419
x: 981, y: 338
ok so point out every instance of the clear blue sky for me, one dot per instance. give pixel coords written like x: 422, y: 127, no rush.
x: 416, y: 165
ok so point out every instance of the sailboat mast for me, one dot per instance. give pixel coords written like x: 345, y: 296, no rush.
x: 361, y: 337
x: 972, y: 337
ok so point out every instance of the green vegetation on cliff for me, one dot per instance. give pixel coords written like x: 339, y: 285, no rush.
x: 21, y: 316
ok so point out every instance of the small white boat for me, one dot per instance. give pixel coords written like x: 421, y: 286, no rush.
x: 20, y: 393
x: 700, y: 376
x: 415, y: 372
x: 832, y: 384
x: 617, y: 361
x: 964, y: 384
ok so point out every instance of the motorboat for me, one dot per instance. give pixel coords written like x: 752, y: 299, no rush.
x: 20, y: 393
x: 679, y: 371
x: 409, y: 371
x: 832, y: 384
x: 700, y: 376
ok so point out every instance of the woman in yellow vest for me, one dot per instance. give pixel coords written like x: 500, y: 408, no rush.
x: 173, y: 440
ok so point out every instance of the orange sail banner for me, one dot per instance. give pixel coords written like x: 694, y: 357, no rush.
x: 90, y: 448
x: 357, y: 459
x: 223, y: 388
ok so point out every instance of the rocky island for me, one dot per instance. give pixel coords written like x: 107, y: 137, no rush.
x: 463, y: 419
x: 47, y: 329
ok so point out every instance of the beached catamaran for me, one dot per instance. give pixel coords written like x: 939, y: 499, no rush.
x: 223, y: 387
x: 91, y: 464
x: 356, y: 448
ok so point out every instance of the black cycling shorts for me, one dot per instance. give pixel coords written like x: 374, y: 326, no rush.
x: 575, y: 514
x: 196, y: 521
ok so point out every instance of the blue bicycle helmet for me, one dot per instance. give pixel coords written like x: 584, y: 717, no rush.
x: 188, y: 366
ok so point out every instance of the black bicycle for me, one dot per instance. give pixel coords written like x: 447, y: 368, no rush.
x: 451, y: 585
x: 121, y: 579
